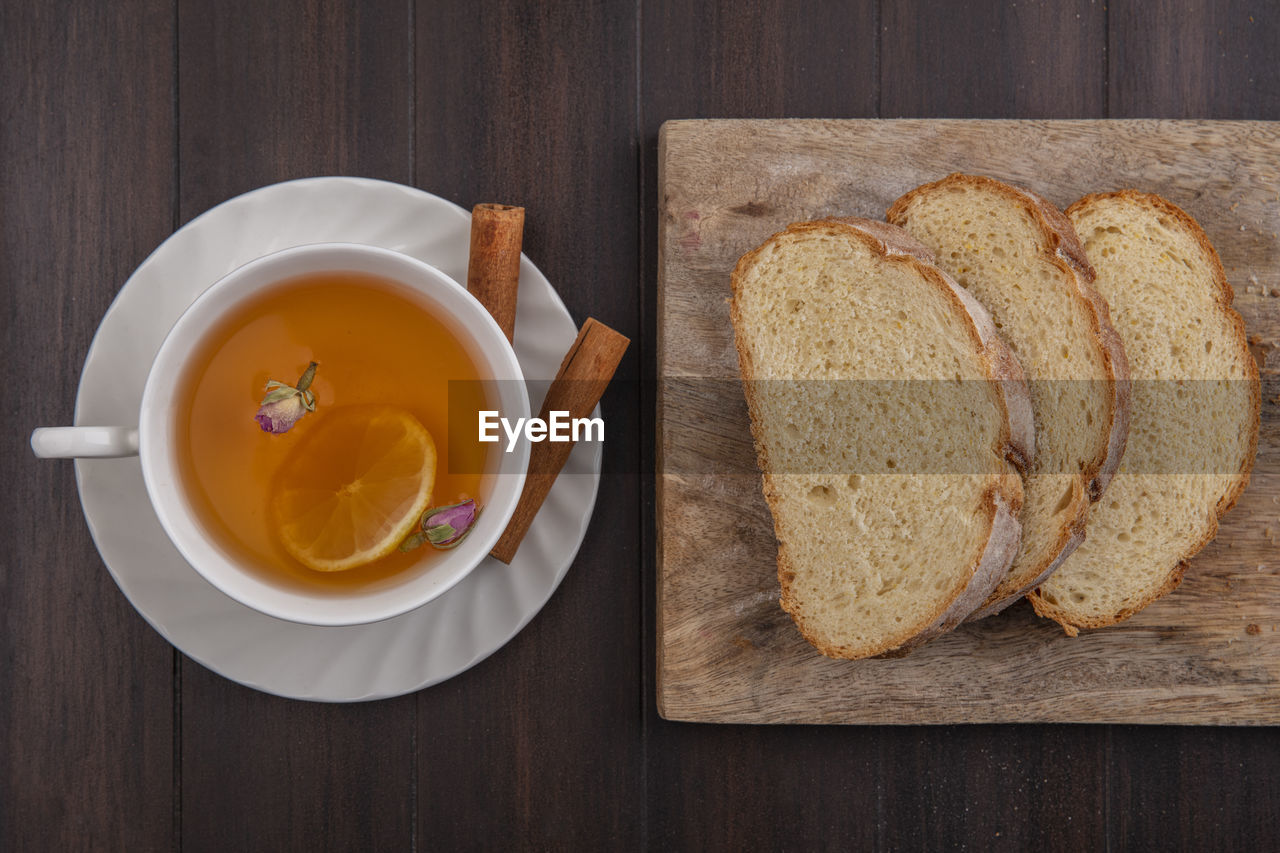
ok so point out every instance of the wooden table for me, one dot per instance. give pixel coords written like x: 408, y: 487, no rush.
x: 121, y: 121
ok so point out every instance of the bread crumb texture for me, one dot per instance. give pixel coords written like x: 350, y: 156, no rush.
x: 997, y: 242
x: 1195, y: 406
x: 871, y: 549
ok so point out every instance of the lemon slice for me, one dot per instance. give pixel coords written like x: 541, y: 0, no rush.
x: 354, y: 487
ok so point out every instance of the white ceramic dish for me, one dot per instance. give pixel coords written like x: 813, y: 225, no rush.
x: 347, y: 663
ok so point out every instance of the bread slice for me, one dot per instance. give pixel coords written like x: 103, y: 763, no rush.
x: 1019, y: 255
x: 894, y: 501
x: 1196, y: 402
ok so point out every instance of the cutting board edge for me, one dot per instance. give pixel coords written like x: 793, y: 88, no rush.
x: 673, y: 701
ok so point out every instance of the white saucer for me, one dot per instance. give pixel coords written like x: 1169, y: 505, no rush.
x: 329, y: 664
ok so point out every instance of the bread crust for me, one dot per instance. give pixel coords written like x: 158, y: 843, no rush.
x: 1001, y: 502
x: 1065, y: 251
x: 1070, y: 536
x: 1225, y: 295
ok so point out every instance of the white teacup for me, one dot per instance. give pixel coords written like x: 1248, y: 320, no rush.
x: 153, y: 441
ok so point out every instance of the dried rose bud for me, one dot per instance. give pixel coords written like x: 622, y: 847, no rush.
x: 284, y: 404
x: 444, y: 526
x: 281, y: 414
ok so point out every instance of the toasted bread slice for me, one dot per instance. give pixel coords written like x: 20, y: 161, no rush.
x: 1196, y: 402
x: 894, y: 518
x: 1019, y: 255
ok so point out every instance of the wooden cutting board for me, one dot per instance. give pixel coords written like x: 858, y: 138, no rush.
x: 1207, y: 654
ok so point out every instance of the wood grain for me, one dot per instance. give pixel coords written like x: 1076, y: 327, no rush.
x: 739, y: 788
x: 1187, y: 788
x: 534, y: 104
x: 758, y: 60
x: 1029, y: 59
x: 788, y: 787
x: 271, y: 92
x: 727, y: 652
x: 86, y: 724
x: 1193, y: 60
x: 276, y: 91
x: 554, y: 742
x: 1171, y: 788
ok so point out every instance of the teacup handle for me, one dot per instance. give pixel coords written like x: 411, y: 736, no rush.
x: 84, y: 442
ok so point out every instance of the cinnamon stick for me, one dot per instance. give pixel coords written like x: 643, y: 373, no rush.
x: 578, y: 386
x: 493, y: 269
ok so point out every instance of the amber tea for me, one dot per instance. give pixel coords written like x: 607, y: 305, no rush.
x: 383, y: 365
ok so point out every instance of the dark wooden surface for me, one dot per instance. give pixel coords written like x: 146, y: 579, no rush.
x: 121, y: 121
